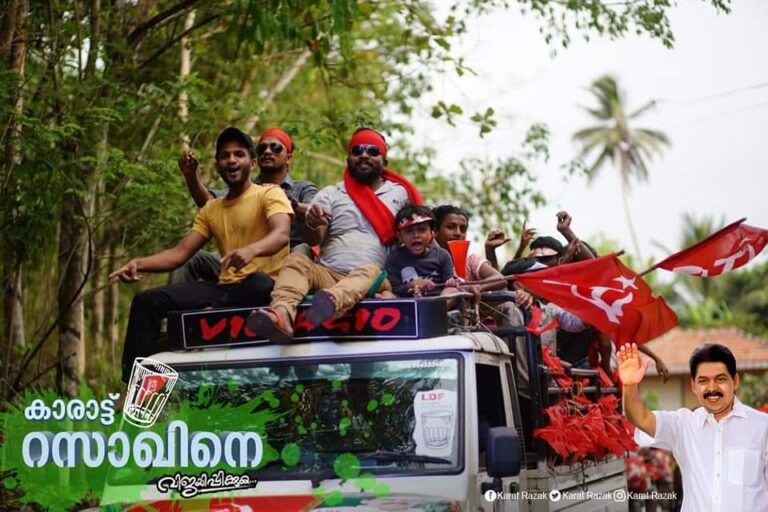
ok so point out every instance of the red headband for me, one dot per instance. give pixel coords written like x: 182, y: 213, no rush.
x: 371, y: 138
x: 279, y: 135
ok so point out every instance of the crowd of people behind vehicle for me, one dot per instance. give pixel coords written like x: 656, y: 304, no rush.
x: 370, y: 235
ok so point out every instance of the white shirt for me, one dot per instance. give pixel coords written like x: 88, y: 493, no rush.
x: 351, y: 240
x: 724, y: 464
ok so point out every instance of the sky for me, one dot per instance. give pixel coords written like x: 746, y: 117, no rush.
x: 712, y: 89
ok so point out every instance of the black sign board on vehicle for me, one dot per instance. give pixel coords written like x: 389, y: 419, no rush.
x: 369, y: 320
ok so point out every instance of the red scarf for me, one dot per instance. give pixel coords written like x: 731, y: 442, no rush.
x: 374, y: 210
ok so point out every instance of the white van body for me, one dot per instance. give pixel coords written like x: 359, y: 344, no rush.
x: 471, y: 372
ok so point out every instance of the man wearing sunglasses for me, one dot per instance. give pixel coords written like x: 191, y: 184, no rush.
x: 353, y: 223
x: 274, y: 155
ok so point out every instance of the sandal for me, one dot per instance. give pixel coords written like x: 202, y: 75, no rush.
x: 269, y: 323
x: 322, y: 308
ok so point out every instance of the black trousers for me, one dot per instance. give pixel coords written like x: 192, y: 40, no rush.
x: 150, y: 307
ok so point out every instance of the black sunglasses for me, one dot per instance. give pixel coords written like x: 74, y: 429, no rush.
x: 359, y: 149
x: 275, y: 147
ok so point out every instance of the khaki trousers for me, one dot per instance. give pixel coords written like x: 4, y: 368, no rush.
x: 301, y: 276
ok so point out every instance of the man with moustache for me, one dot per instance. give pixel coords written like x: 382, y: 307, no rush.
x: 353, y: 222
x: 721, y: 447
x: 274, y: 156
x: 250, y: 226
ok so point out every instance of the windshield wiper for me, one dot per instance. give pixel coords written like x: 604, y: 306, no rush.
x: 402, y: 456
x: 381, y: 455
x: 319, y: 477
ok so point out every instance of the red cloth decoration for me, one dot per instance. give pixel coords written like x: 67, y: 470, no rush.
x: 535, y: 327
x: 606, y: 294
x: 580, y: 429
x: 556, y: 369
x: 279, y: 135
x: 605, y: 379
x: 728, y: 249
x: 371, y: 138
x: 377, y: 213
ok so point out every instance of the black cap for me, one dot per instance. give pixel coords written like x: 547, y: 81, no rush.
x: 233, y: 134
x: 519, y: 266
x: 548, y: 242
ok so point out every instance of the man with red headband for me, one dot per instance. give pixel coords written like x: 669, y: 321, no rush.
x: 274, y: 154
x: 353, y: 222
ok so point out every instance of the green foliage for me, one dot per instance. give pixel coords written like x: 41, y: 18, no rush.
x: 503, y: 192
x: 753, y: 389
x: 110, y: 133
x: 484, y: 120
x: 100, y: 117
x: 651, y: 399
x: 440, y: 109
x: 559, y: 20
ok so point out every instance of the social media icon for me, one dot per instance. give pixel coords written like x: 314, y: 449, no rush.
x: 490, y: 495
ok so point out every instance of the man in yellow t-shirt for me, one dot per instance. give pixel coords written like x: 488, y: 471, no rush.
x: 250, y: 225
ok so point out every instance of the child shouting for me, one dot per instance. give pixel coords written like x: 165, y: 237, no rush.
x: 418, y: 265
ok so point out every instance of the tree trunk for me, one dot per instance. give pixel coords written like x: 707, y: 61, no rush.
x: 97, y: 282
x: 13, y: 312
x: 113, y: 304
x: 96, y: 308
x: 8, y: 27
x: 624, y: 159
x: 280, y: 86
x: 184, y: 69
x: 74, y: 247
x: 13, y: 43
x: 72, y: 261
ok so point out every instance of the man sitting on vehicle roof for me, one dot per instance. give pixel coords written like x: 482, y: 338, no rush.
x: 353, y: 222
x: 250, y: 225
x: 274, y: 156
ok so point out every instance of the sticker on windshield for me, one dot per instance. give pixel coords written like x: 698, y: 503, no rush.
x: 435, y: 422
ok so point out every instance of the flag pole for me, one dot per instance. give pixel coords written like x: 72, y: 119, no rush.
x: 505, y: 278
x: 491, y: 281
x: 649, y: 270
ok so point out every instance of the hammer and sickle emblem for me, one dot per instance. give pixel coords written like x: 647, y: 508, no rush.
x: 612, y: 310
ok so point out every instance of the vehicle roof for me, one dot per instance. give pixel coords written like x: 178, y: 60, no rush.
x: 470, y: 341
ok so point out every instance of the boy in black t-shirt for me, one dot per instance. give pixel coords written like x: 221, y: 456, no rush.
x: 418, y: 264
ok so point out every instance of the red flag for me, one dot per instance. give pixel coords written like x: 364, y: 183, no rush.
x: 728, y: 249
x: 605, y: 293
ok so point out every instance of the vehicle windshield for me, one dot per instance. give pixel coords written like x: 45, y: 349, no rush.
x: 395, y: 415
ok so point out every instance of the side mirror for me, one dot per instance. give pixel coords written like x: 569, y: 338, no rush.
x: 502, y: 456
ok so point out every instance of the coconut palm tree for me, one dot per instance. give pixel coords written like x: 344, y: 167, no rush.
x: 613, y: 139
